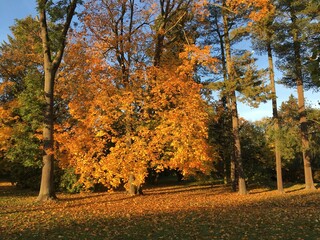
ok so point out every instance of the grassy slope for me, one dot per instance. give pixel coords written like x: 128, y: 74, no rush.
x: 177, y: 212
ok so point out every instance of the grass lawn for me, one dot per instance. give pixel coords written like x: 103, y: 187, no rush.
x: 172, y: 212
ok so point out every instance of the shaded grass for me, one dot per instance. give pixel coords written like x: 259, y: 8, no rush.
x: 172, y: 212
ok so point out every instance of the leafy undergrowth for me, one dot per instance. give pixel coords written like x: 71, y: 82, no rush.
x: 176, y: 212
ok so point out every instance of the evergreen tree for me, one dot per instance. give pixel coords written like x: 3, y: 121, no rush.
x: 293, y: 52
x: 262, y: 41
x: 239, y: 71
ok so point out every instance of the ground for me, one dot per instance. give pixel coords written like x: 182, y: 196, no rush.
x: 168, y: 212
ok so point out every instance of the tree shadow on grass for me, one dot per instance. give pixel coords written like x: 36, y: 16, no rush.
x: 211, y: 189
x: 60, y: 203
x: 235, y: 222
x: 294, y: 187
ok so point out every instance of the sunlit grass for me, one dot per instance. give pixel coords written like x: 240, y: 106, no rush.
x: 168, y: 212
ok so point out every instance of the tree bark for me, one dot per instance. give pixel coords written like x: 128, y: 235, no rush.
x: 47, y: 191
x: 133, y: 188
x: 309, y: 184
x: 275, y: 120
x: 234, y: 110
x: 50, y: 66
x: 237, y: 145
x: 233, y: 175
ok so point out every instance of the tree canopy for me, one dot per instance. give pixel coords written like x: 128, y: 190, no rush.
x: 123, y: 90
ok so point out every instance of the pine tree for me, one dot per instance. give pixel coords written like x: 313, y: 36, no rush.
x: 292, y: 50
x: 240, y: 73
x: 263, y: 39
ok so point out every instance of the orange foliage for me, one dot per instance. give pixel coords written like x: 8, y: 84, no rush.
x: 124, y: 116
x: 6, y: 117
x: 192, y: 56
x: 114, y: 132
x: 259, y: 8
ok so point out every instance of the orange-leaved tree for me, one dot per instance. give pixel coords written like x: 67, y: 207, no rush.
x: 122, y: 119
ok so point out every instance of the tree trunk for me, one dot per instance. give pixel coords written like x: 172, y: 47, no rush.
x: 233, y: 174
x: 47, y: 184
x: 225, y: 172
x: 158, y: 49
x: 234, y: 110
x: 47, y: 179
x: 237, y: 146
x: 133, y: 188
x: 301, y: 103
x: 276, y: 121
x: 50, y: 66
x: 304, y: 138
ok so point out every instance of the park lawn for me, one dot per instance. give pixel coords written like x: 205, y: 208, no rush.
x: 170, y: 212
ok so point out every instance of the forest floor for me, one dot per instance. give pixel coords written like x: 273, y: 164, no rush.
x: 168, y: 212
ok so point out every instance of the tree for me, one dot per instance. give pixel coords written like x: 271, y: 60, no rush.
x: 290, y: 141
x: 292, y: 50
x: 22, y: 100
x: 51, y: 63
x: 169, y: 29
x: 122, y: 38
x: 263, y: 39
x: 257, y: 154
x: 240, y: 73
x: 121, y: 128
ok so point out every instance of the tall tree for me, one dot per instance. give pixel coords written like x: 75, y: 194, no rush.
x: 121, y: 128
x: 61, y: 11
x: 123, y: 38
x: 240, y: 73
x: 293, y: 51
x: 263, y: 39
x: 212, y: 28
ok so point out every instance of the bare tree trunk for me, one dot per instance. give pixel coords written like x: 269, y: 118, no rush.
x: 237, y: 146
x: 133, y: 188
x: 233, y: 175
x: 158, y: 49
x: 304, y: 138
x: 47, y: 191
x: 276, y: 121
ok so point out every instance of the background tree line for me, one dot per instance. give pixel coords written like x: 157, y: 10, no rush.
x: 126, y: 92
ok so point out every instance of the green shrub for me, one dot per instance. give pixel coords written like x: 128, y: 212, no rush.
x: 69, y: 181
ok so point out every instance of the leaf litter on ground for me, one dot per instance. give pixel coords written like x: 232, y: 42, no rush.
x: 170, y: 212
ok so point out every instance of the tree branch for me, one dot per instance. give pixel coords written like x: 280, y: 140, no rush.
x: 70, y: 13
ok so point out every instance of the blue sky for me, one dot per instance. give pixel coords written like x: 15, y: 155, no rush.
x: 11, y: 10
x: 16, y: 9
